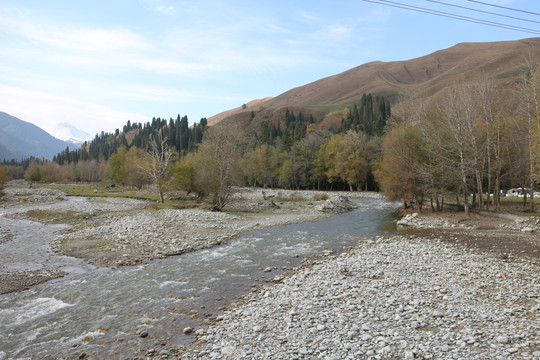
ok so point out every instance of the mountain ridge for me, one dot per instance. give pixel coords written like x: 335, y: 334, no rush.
x: 20, y: 140
x: 425, y: 75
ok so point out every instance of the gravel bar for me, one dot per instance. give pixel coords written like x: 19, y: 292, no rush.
x: 390, y: 298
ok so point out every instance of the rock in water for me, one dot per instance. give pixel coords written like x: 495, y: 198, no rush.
x: 337, y: 204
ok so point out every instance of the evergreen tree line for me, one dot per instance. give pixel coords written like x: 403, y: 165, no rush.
x: 369, y: 116
x: 177, y: 131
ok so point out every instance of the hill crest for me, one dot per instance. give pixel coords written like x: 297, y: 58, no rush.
x: 425, y: 75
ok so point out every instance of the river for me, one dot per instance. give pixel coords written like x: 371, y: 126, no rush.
x: 101, y: 312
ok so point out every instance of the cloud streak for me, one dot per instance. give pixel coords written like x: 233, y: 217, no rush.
x: 49, y: 110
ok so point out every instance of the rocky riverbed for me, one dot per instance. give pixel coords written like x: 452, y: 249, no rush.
x: 445, y: 287
x: 116, y: 231
x: 390, y: 298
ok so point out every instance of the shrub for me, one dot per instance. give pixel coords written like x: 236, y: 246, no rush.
x: 320, y: 196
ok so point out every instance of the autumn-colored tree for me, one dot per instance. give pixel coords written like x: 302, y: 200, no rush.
x: 264, y: 162
x: 117, y: 163
x: 133, y: 174
x: 217, y: 164
x: 50, y: 172
x: 4, y: 178
x: 348, y: 158
x: 33, y: 172
x: 335, y: 159
x: 91, y: 171
x: 399, y: 171
x: 183, y: 175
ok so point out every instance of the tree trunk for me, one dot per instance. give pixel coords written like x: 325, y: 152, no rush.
x: 531, y: 189
x: 479, y: 189
x: 466, y: 203
x: 161, y: 199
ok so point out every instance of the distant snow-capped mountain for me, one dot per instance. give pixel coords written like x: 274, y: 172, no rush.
x: 20, y: 140
x: 70, y: 133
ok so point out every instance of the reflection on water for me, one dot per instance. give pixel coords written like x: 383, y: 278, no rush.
x: 102, y: 311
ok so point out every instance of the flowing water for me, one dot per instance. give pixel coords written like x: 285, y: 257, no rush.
x: 102, y: 312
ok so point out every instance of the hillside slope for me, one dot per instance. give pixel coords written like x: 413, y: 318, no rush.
x: 20, y: 139
x: 425, y: 75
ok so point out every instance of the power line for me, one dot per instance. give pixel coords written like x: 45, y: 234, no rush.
x: 483, y: 11
x: 504, y: 7
x: 454, y: 16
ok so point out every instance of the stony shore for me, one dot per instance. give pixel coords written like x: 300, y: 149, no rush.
x: 444, y: 287
x: 390, y: 298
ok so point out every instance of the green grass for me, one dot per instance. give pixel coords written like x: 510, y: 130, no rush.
x: 518, y: 200
x: 92, y: 190
x: 55, y: 217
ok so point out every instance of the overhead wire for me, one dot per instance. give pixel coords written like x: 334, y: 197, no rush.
x: 483, y: 11
x: 504, y: 7
x: 454, y: 16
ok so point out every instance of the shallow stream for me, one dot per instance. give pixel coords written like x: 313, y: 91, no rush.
x: 102, y: 312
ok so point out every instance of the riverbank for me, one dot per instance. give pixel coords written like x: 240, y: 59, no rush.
x: 446, y: 287
x: 399, y: 297
x: 116, y: 231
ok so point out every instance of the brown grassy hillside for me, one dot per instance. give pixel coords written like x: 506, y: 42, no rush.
x: 425, y: 75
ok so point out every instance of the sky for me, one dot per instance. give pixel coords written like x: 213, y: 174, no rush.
x: 97, y: 64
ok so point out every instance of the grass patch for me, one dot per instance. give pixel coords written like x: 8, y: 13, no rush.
x: 91, y: 190
x: 56, y: 217
x: 518, y: 200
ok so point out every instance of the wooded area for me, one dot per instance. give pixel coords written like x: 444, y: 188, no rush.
x: 476, y: 140
x: 464, y: 145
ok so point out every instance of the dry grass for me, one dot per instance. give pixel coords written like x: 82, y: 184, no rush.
x: 292, y: 197
x: 320, y: 197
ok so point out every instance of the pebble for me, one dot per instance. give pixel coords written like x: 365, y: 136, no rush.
x: 502, y: 339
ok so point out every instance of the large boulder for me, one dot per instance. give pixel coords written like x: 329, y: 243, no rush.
x: 337, y: 204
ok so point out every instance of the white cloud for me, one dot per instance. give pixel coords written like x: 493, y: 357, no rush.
x: 334, y: 32
x: 160, y: 6
x: 47, y: 111
x: 90, y: 40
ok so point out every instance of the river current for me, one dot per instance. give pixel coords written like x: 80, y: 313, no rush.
x: 102, y: 312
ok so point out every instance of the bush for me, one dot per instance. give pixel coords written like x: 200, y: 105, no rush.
x: 321, y: 196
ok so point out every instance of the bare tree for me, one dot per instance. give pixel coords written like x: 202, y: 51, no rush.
x: 530, y: 96
x: 459, y: 144
x: 156, y: 161
x: 486, y: 94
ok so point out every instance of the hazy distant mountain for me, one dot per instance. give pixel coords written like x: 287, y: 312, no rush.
x: 71, y: 134
x: 425, y: 76
x: 20, y: 139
